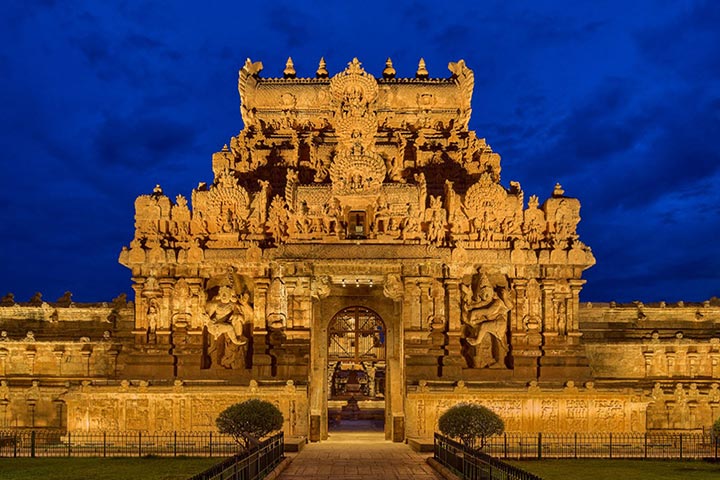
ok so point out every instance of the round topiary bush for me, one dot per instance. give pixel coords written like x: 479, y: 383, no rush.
x: 470, y: 422
x: 249, y: 421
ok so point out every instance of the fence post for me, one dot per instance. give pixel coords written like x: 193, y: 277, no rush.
x: 210, y: 444
x: 645, y: 444
x: 32, y: 444
x: 681, y: 447
x: 69, y: 443
x: 539, y: 452
x: 139, y: 444
x: 104, y: 444
x: 716, y: 446
x: 610, y: 445
x: 575, y: 445
x: 175, y: 443
x: 505, y: 445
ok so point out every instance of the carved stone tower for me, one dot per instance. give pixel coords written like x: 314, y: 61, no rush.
x: 364, y: 193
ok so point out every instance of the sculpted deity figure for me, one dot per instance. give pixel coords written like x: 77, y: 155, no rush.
x: 411, y: 223
x: 227, y: 314
x: 277, y: 222
x: 436, y: 216
x: 332, y: 217
x: 153, y: 313
x: 485, y: 315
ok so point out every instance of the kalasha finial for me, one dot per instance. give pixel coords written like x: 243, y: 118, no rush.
x: 558, y: 191
x: 422, y: 71
x: 289, y: 71
x: 157, y: 191
x: 389, y: 71
x: 322, y: 69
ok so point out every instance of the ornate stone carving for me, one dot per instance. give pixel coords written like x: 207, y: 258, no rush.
x: 485, y: 316
x: 394, y: 288
x: 277, y: 303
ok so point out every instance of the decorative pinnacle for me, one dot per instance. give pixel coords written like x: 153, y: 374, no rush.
x: 289, y: 71
x: 422, y: 71
x: 322, y: 70
x: 389, y: 71
x: 558, y: 190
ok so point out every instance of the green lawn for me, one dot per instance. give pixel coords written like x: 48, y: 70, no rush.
x: 125, y: 468
x: 621, y: 469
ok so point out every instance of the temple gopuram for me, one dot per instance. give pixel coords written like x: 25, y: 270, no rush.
x: 358, y: 256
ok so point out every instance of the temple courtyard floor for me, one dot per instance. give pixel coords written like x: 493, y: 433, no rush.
x: 358, y: 456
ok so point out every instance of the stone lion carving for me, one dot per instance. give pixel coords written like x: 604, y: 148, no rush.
x: 484, y: 314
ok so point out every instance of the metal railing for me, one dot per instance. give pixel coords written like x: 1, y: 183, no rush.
x: 669, y: 446
x: 54, y: 443
x: 472, y: 464
x: 250, y: 465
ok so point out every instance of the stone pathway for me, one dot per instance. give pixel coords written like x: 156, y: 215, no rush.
x: 358, y: 456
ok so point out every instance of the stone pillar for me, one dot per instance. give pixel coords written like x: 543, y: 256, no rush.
x: 520, y: 307
x: 164, y: 327
x: 188, y: 338
x: 411, y: 305
x: 261, y: 361
x: 425, y: 302
x: 140, y: 306
x: 573, y: 311
x: 526, y: 339
x: 562, y: 356
x: 395, y: 396
x: 318, y: 382
x: 649, y: 355
x: 547, y: 287
x: 453, y: 361
x: 670, y: 361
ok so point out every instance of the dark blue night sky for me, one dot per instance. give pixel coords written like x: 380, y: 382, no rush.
x: 619, y: 101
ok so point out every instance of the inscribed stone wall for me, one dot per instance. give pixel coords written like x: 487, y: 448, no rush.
x: 139, y: 406
x: 567, y: 410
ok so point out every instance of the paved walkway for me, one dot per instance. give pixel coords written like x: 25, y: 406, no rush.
x: 358, y: 456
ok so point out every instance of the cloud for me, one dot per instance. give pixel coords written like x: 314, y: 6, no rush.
x: 291, y: 23
x: 142, y: 142
x: 686, y: 46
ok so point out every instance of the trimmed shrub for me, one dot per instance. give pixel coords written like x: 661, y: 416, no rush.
x: 716, y: 428
x: 470, y: 422
x: 249, y: 421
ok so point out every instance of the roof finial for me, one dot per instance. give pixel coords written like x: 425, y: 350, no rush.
x: 322, y: 69
x: 389, y: 71
x: 289, y: 71
x: 558, y: 190
x: 422, y: 71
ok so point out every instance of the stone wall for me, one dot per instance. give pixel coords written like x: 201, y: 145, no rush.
x: 565, y: 410
x: 138, y: 406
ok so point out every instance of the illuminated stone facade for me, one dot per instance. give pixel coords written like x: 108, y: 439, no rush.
x: 357, y: 241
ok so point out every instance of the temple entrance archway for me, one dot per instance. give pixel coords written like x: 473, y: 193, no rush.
x: 356, y: 367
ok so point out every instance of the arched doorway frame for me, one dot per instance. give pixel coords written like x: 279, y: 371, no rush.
x: 323, y: 313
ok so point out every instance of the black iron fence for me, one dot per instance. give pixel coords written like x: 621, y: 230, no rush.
x: 50, y: 443
x: 603, y: 445
x: 472, y: 464
x: 251, y: 465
